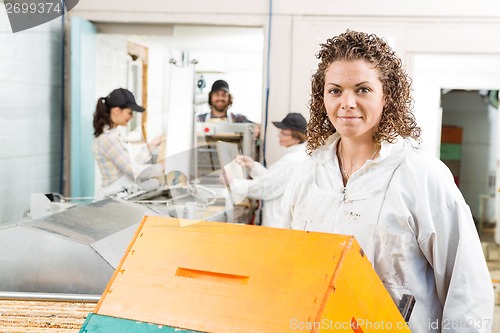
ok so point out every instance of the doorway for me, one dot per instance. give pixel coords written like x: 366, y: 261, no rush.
x: 234, y: 54
x: 436, y: 75
x: 469, y: 146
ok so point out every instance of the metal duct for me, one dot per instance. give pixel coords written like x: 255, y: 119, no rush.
x: 73, y: 252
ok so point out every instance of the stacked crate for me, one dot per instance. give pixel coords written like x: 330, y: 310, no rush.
x: 451, y: 149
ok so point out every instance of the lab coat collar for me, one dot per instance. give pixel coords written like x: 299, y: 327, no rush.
x: 373, y: 177
x: 328, y: 152
x: 297, y: 147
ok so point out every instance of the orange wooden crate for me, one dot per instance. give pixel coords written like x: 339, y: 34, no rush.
x: 221, y: 277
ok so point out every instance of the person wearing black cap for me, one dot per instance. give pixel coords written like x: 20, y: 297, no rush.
x: 118, y: 168
x: 269, y: 184
x: 220, y: 100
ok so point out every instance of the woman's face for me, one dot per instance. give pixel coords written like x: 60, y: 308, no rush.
x: 354, y: 98
x: 121, y: 116
x: 286, y: 138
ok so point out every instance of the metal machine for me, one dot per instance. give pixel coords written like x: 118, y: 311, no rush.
x: 207, y: 162
x: 64, y: 247
x: 74, y: 251
x: 208, y: 166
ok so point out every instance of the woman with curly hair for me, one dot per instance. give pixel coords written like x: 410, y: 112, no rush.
x: 367, y: 177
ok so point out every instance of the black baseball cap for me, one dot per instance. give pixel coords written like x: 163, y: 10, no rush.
x: 123, y: 98
x: 220, y: 85
x: 292, y: 121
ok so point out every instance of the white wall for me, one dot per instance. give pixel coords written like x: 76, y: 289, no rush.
x: 158, y: 85
x: 230, y: 53
x: 30, y: 116
x: 241, y: 12
x: 111, y: 63
x: 423, y: 28
x: 111, y: 73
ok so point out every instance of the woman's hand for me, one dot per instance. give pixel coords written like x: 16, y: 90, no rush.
x: 157, y: 141
x: 245, y: 161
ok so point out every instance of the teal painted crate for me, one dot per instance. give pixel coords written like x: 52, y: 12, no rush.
x: 451, y: 152
x: 96, y: 323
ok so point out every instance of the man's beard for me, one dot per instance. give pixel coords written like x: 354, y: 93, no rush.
x: 222, y: 108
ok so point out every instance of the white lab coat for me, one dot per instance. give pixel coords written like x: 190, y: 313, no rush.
x: 413, y: 224
x: 268, y: 184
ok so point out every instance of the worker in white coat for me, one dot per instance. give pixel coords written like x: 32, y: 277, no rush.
x: 268, y: 184
x: 368, y: 177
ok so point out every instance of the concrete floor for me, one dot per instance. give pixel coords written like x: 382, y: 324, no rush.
x: 492, y: 254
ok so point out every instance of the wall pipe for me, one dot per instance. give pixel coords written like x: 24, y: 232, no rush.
x: 268, y: 66
x: 63, y: 100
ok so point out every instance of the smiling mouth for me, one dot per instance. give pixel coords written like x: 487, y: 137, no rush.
x: 348, y: 117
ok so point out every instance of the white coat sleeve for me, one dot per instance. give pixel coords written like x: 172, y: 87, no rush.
x: 286, y: 206
x: 257, y: 170
x: 462, y: 278
x: 269, y: 184
x: 291, y: 192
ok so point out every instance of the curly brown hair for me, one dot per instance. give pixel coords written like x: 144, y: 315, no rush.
x: 397, y: 117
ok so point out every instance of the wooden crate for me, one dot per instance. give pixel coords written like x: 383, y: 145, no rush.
x: 221, y: 277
